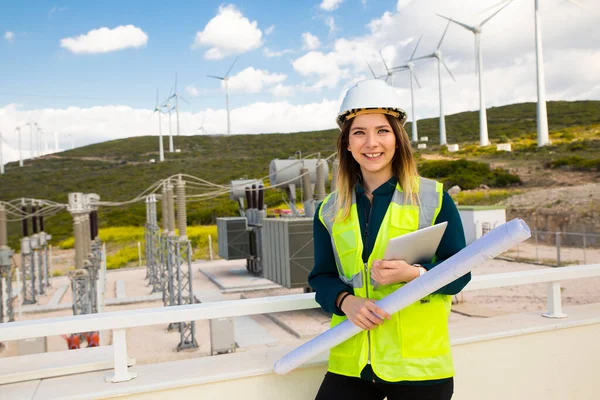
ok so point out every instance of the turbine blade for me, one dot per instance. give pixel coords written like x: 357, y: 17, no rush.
x: 492, y: 16
x: 492, y: 7
x: 467, y: 27
x: 371, y: 69
x: 583, y: 6
x: 384, y: 63
x: 416, y: 80
x: 423, y: 57
x: 216, y: 77
x: 415, y: 50
x: 443, y: 35
x: 183, y: 99
x: 230, y: 68
x: 447, y: 69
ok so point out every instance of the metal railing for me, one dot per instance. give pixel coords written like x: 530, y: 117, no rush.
x: 119, y: 321
x: 557, y: 249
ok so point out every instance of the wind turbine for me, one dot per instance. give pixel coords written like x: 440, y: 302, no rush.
x: 542, y: 112
x: 483, y: 128
x: 167, y: 105
x: 56, y: 149
x: 389, y: 74
x: 440, y: 61
x: 158, y: 108
x: 202, y: 129
x: 225, y: 79
x: 410, y: 67
x: 30, y: 124
x: 18, y: 129
x: 177, y: 97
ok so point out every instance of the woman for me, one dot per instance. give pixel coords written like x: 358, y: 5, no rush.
x: 379, y: 196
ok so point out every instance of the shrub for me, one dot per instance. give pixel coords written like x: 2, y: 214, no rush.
x: 466, y: 174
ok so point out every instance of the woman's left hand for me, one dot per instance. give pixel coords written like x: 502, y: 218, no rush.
x: 387, y: 272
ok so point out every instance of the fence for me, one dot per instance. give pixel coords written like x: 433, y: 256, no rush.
x: 566, y: 248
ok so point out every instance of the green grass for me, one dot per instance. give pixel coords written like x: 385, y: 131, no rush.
x: 484, y: 197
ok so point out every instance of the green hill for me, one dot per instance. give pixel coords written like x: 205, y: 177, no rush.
x: 119, y: 170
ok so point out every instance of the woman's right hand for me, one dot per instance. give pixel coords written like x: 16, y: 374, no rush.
x: 363, y: 312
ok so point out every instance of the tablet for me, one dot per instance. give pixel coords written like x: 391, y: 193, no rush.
x: 416, y: 247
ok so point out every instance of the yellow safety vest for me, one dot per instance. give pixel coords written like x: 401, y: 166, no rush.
x: 414, y: 344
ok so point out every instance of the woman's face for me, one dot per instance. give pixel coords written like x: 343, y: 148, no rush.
x: 372, y: 143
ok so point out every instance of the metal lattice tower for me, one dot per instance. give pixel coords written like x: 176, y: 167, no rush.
x: 180, y: 282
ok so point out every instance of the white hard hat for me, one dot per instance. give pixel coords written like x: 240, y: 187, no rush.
x: 370, y: 96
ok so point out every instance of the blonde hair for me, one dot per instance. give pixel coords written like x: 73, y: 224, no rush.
x: 404, y: 168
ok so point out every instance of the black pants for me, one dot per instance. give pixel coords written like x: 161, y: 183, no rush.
x: 336, y: 387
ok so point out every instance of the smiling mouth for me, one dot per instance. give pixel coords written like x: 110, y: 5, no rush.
x: 372, y: 155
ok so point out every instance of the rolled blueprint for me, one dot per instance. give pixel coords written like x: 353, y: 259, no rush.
x: 483, y: 249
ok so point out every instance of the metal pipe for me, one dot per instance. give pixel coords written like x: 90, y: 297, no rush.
x: 320, y: 184
x: 334, y: 174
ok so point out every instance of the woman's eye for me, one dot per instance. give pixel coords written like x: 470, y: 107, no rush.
x: 382, y: 131
x: 358, y: 133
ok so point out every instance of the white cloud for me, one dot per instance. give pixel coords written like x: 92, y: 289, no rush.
x: 104, y: 40
x: 330, y: 5
x: 253, y: 80
x: 269, y: 30
x: 281, y: 90
x: 330, y: 22
x: 228, y: 33
x: 98, y: 124
x: 192, y: 91
x: 325, y: 66
x: 311, y: 42
x: 9, y: 36
x: 272, y: 54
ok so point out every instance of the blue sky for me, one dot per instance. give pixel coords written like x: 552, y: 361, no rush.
x: 89, y: 71
x: 38, y: 72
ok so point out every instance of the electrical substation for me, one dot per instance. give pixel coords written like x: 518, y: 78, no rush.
x: 279, y: 249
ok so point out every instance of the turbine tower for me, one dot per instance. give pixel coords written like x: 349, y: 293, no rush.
x: 202, y: 129
x: 157, y: 108
x: 542, y: 112
x: 177, y: 96
x: 225, y: 79
x: 56, y: 149
x: 167, y: 105
x: 20, y: 147
x: 410, y: 67
x: 437, y: 54
x: 483, y: 128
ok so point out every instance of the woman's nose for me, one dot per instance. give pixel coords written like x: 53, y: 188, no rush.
x: 371, y: 139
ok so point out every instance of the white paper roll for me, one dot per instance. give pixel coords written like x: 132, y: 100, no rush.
x: 485, y: 248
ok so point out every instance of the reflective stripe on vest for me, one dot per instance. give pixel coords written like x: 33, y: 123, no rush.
x: 414, y: 343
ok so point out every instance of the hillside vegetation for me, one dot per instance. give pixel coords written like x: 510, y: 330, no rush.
x: 119, y: 170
